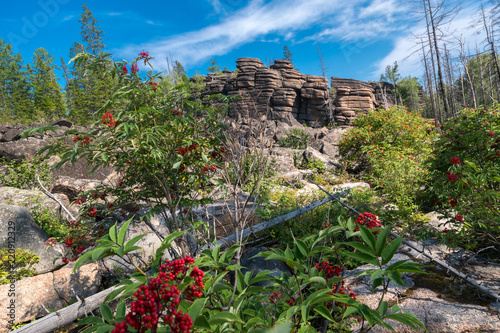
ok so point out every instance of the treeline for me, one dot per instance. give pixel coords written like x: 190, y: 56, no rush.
x: 31, y: 92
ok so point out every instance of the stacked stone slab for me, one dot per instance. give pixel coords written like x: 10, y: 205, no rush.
x: 353, y: 97
x: 279, y: 92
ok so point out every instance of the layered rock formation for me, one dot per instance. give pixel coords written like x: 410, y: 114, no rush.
x: 353, y: 97
x: 279, y: 92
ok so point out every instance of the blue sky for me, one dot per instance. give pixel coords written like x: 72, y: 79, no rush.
x: 358, y: 38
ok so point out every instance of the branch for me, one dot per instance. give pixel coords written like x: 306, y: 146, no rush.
x: 50, y: 195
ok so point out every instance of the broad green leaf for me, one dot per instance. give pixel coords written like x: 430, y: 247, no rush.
x: 390, y: 250
x: 112, y: 233
x: 367, y: 236
x: 381, y: 240
x: 363, y: 257
x: 120, y: 310
x: 323, y: 311
x: 196, y: 308
x: 224, y: 317
x: 82, y: 260
x: 90, y: 320
x: 384, y: 306
x: 106, y: 313
x: 96, y: 254
x: 123, y: 232
x: 302, y: 247
x: 134, y: 240
x: 281, y: 328
x: 362, y: 248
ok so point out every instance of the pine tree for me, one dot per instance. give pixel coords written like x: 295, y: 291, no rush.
x: 287, y: 54
x: 47, y: 98
x: 87, y: 90
x: 213, y: 68
x: 15, y: 103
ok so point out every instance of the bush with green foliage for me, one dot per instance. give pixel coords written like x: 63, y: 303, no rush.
x: 23, y: 173
x: 466, y: 176
x: 186, y: 294
x: 296, y: 138
x: 165, y: 145
x: 14, y: 265
x: 391, y: 146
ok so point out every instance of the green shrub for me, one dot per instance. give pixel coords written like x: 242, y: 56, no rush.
x: 14, y: 266
x: 391, y: 146
x: 23, y: 173
x: 466, y: 175
x: 296, y: 138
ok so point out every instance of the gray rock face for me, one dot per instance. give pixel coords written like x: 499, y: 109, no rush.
x: 280, y: 92
x: 355, y: 97
x: 18, y: 230
x: 20, y: 149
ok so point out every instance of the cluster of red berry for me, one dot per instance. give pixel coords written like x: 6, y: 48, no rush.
x: 451, y: 176
x: 208, y: 168
x: 108, y: 120
x: 83, y: 141
x: 184, y: 150
x: 175, y: 112
x: 329, y: 269
x: 159, y: 299
x: 369, y: 220
x: 335, y: 271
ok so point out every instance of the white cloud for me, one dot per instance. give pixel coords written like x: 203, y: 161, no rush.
x: 67, y: 18
x: 246, y: 25
x: 114, y: 14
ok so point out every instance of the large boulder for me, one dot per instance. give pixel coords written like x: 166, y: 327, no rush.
x: 32, y: 199
x: 32, y: 297
x: 21, y: 149
x: 18, y: 230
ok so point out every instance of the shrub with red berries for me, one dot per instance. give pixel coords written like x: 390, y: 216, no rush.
x: 156, y: 302
x: 466, y: 175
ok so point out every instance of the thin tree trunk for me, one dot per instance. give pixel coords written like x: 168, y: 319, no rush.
x: 438, y: 104
x: 438, y: 61
x: 430, y: 87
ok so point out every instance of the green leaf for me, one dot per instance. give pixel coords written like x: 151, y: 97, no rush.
x: 123, y: 232
x: 367, y: 236
x: 96, y: 254
x: 105, y: 328
x: 196, y: 308
x: 202, y: 322
x: 224, y: 317
x: 390, y: 250
x: 120, y: 310
x: 90, y: 320
x: 132, y: 242
x: 177, y: 165
x: 349, y: 311
x: 323, y: 311
x: 302, y: 247
x: 363, y: 257
x: 381, y: 240
x: 82, y: 260
x: 281, y: 328
x: 112, y: 233
x: 106, y: 313
x: 362, y: 248
x: 384, y: 306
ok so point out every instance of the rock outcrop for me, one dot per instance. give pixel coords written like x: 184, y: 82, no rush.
x: 353, y: 97
x: 278, y: 92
